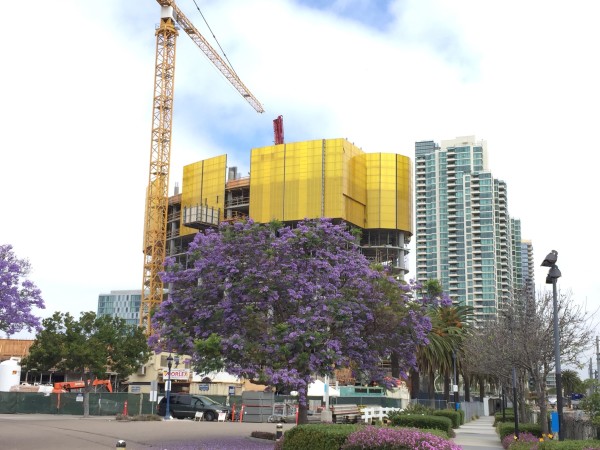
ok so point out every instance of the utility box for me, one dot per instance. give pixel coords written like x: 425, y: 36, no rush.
x: 258, y: 406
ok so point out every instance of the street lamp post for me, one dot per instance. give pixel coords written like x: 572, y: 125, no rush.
x: 168, y: 387
x: 455, y: 381
x: 553, y: 275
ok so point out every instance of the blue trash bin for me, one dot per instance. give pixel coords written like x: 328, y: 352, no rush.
x: 554, y: 422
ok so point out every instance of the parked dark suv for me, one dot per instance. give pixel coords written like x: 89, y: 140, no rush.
x: 186, y: 406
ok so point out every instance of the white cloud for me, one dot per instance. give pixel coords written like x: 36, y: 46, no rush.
x: 77, y: 95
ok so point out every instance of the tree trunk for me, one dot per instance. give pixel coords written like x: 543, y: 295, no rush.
x: 481, y: 388
x: 467, y: 388
x: 302, y: 408
x: 431, y: 388
x: 540, y: 384
x: 88, y: 378
x: 525, y: 418
x: 395, y: 362
x: 447, y: 387
x: 86, y: 403
x: 415, y: 381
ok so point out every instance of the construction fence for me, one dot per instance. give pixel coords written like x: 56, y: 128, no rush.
x: 111, y: 404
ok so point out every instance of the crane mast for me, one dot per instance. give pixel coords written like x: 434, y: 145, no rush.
x: 157, y: 194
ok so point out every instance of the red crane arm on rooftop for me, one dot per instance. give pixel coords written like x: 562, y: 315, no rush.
x: 278, y: 130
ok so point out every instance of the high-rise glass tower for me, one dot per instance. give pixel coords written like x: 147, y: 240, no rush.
x: 122, y: 304
x: 464, y: 234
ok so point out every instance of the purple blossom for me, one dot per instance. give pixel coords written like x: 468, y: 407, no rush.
x: 372, y: 438
x: 18, y: 295
x: 288, y: 303
x: 524, y: 436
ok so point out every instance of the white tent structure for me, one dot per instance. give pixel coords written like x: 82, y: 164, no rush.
x: 215, y: 377
x: 317, y: 389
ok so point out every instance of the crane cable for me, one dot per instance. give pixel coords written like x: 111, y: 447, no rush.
x: 215, y: 38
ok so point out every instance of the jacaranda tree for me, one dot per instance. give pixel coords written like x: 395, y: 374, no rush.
x: 283, y: 305
x: 18, y: 295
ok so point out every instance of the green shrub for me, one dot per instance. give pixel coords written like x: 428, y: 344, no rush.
x: 421, y: 422
x: 454, y: 416
x: 318, y: 436
x: 139, y: 418
x: 521, y: 446
x: 263, y: 435
x: 462, y: 416
x: 417, y: 408
x: 439, y: 433
x: 507, y: 412
x: 506, y: 429
x: 509, y: 416
x: 568, y: 445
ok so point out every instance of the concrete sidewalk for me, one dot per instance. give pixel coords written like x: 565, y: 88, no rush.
x: 478, y: 435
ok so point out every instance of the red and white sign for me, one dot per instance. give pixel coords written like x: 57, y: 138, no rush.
x: 177, y: 374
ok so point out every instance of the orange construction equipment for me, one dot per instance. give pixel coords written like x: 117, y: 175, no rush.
x: 68, y: 386
x: 157, y: 195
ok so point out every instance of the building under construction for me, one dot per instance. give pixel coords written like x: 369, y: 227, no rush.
x: 289, y: 182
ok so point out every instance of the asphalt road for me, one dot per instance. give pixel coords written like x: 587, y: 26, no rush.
x: 49, y: 432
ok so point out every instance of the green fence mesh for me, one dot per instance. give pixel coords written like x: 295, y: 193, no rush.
x: 111, y: 404
x: 101, y: 404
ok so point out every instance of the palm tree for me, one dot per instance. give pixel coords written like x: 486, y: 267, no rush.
x: 448, y: 330
x: 570, y: 381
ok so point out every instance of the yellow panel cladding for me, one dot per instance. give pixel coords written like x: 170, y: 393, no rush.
x: 331, y: 178
x: 266, y: 183
x: 389, y: 191
x: 303, y: 190
x: 405, y: 193
x: 354, y: 184
x: 204, y: 184
x: 305, y: 180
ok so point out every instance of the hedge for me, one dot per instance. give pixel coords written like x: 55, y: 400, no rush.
x: 506, y: 429
x: 454, y: 416
x: 568, y: 445
x: 318, y: 436
x: 422, y: 422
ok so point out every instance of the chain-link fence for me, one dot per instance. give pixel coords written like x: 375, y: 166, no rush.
x: 101, y: 404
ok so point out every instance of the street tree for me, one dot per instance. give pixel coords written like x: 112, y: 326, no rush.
x: 591, y: 403
x: 282, y: 305
x: 18, y: 294
x: 431, y: 289
x: 442, y: 354
x: 523, y: 338
x: 443, y: 348
x: 90, y: 347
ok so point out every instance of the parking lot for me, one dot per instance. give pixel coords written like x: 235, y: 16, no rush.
x: 29, y: 431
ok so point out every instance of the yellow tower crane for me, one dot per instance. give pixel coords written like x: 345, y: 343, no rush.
x: 157, y: 195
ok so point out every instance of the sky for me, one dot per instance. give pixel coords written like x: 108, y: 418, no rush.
x: 77, y: 87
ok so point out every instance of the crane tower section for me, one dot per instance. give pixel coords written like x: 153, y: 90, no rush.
x: 157, y: 193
